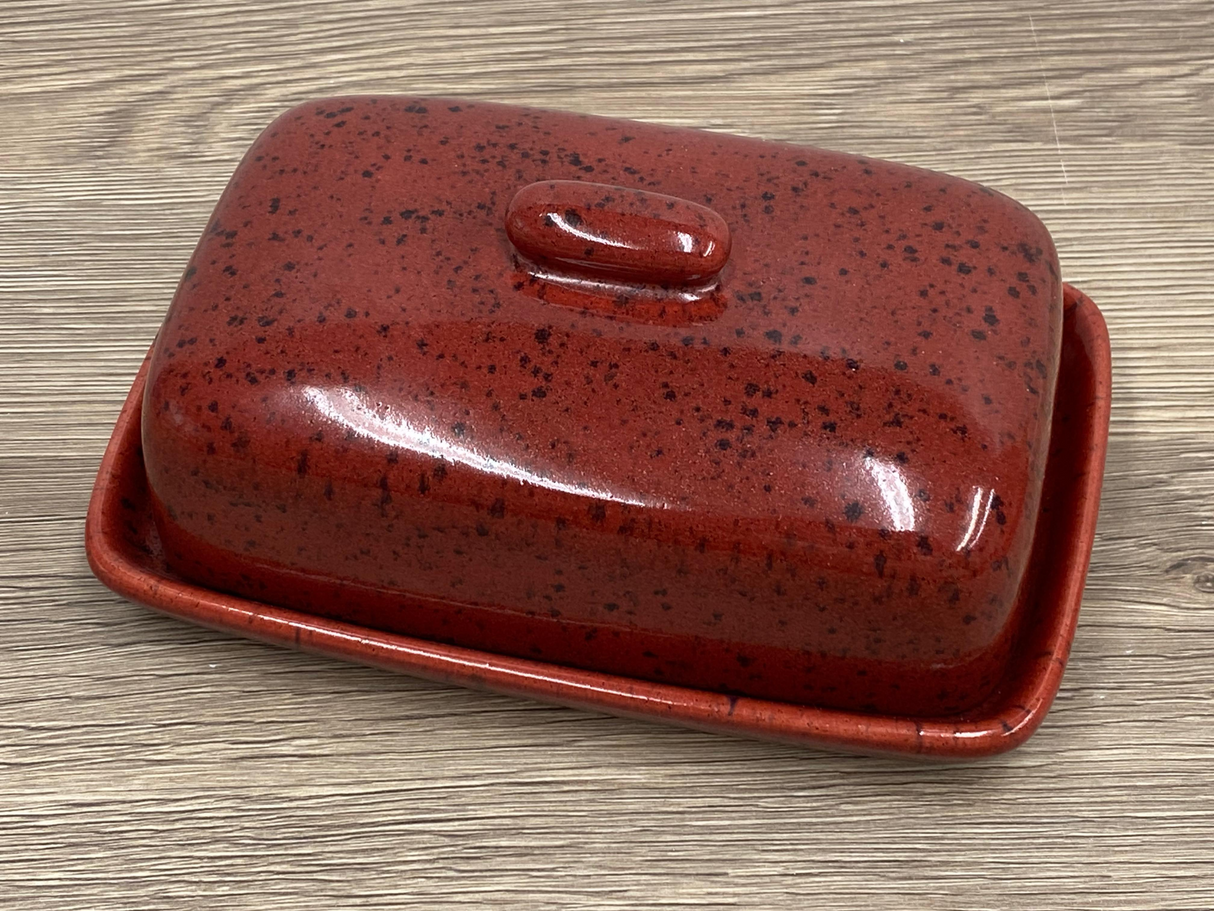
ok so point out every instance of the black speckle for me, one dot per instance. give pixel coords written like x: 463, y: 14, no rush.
x: 879, y: 565
x: 899, y: 365
x: 775, y: 336
x: 978, y: 335
x: 853, y: 511
x: 810, y: 377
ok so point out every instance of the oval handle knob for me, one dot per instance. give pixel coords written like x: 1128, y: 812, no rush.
x: 632, y: 235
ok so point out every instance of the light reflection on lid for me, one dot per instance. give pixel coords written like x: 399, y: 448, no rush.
x: 895, y: 493
x: 980, y: 511
x: 356, y: 413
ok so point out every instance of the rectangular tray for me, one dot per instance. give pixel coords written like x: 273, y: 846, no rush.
x: 124, y: 552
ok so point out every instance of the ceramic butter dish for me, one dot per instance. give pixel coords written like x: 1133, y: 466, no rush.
x: 733, y: 433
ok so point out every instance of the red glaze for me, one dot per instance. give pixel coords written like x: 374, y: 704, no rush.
x: 125, y: 552
x: 816, y: 482
x: 628, y: 234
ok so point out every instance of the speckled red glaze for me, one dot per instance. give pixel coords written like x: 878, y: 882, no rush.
x: 126, y: 553
x: 816, y: 481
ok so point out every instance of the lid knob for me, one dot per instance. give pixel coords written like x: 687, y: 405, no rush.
x: 616, y: 232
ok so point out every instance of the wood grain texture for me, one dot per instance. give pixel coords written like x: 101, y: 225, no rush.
x: 148, y: 764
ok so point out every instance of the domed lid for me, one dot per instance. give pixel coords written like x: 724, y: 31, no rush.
x: 677, y: 405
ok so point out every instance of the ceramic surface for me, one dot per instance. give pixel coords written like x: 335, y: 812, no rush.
x: 125, y: 552
x: 677, y: 406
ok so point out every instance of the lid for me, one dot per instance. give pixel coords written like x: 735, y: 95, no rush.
x: 676, y: 405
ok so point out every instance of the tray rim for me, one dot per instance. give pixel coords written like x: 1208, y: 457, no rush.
x: 1014, y: 717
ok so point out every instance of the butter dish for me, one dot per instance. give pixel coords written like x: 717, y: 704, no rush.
x: 731, y: 433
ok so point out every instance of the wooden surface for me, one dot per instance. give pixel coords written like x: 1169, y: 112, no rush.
x: 149, y: 764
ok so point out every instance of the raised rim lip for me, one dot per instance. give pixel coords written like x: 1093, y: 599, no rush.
x: 1032, y: 684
